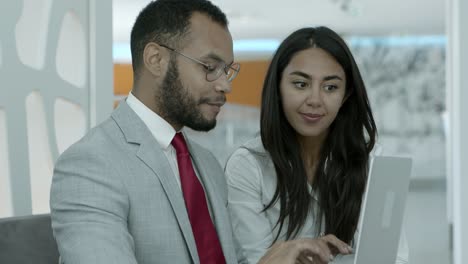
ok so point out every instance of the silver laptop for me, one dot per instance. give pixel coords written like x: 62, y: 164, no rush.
x: 382, y: 212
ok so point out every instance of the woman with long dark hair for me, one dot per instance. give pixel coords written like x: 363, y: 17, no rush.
x: 305, y: 175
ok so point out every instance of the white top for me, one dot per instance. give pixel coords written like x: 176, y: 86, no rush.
x: 251, y: 182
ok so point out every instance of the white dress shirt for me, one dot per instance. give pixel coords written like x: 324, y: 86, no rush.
x: 162, y: 131
x: 251, y: 182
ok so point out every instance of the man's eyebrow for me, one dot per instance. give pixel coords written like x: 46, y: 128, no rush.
x: 215, y: 57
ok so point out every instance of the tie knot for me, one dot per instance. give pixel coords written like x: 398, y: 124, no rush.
x: 178, y: 142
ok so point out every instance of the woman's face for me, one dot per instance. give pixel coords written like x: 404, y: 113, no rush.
x: 312, y: 89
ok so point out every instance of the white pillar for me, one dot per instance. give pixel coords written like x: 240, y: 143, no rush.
x: 101, y: 65
x: 56, y: 72
x: 457, y: 144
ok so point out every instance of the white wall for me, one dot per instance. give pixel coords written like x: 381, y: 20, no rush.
x: 55, y: 86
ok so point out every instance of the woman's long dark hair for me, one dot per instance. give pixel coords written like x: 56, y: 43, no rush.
x: 341, y: 173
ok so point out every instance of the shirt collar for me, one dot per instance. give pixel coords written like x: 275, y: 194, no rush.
x: 162, y: 131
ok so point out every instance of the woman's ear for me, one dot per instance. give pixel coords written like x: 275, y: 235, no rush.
x: 153, y: 59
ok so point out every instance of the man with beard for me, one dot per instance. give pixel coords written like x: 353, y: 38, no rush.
x: 135, y: 189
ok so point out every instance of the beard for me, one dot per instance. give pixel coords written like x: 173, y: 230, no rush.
x: 178, y: 107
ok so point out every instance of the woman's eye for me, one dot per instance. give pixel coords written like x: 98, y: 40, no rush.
x: 300, y: 84
x: 330, y: 87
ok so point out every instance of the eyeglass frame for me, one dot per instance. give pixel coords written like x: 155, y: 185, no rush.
x: 208, y: 67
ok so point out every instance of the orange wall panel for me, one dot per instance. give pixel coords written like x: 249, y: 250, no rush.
x: 123, y: 79
x: 246, y: 88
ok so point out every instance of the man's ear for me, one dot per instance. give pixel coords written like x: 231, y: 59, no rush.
x: 153, y: 58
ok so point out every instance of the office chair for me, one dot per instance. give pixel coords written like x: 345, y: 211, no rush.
x: 27, y: 239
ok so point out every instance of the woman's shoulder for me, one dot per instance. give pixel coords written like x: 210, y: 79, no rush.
x: 251, y: 158
x: 251, y: 168
x: 242, y: 167
x: 253, y: 149
x: 254, y: 145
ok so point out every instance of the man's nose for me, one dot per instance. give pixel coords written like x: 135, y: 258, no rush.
x: 222, y: 84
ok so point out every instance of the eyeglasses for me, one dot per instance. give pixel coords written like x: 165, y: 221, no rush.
x: 213, y: 72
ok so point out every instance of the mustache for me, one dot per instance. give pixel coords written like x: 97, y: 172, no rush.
x: 217, y: 100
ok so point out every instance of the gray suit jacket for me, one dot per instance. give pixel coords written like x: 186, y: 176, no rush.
x: 114, y: 198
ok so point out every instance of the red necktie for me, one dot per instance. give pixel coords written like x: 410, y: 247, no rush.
x: 204, y: 232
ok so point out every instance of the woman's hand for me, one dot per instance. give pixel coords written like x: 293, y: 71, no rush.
x: 305, y: 251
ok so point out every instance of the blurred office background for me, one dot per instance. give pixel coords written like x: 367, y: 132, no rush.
x: 65, y: 64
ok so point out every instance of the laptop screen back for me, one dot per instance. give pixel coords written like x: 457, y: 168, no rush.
x: 383, y: 209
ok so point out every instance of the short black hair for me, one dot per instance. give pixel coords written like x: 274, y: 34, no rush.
x: 166, y: 22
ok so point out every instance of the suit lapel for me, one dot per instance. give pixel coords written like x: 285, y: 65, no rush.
x: 151, y: 154
x: 216, y: 201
